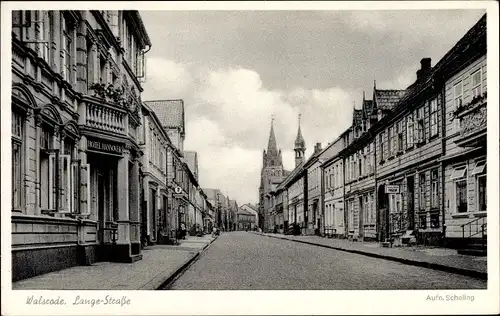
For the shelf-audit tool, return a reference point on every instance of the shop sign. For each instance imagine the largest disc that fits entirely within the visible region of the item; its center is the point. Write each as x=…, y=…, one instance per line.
x=104, y=146
x=392, y=189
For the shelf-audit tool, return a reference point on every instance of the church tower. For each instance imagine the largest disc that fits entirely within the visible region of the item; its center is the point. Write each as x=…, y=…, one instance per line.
x=300, y=147
x=271, y=173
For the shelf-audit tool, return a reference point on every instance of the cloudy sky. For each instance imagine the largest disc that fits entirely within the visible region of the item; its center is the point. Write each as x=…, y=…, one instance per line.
x=234, y=69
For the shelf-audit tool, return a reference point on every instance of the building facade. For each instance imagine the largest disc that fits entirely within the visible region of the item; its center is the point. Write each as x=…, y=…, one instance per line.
x=155, y=143
x=332, y=170
x=76, y=112
x=465, y=112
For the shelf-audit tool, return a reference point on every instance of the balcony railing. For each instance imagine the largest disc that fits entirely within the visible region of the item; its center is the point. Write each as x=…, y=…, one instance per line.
x=103, y=117
x=472, y=122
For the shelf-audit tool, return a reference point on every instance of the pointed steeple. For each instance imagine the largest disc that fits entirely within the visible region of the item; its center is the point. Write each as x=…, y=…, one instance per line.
x=272, y=148
x=300, y=147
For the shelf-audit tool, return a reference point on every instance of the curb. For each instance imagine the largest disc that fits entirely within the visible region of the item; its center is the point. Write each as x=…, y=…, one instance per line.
x=429, y=265
x=166, y=284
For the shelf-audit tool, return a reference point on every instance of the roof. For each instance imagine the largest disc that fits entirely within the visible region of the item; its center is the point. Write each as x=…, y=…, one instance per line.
x=191, y=158
x=387, y=99
x=251, y=206
x=243, y=211
x=357, y=117
x=468, y=43
x=368, y=108
x=169, y=112
x=299, y=141
x=292, y=175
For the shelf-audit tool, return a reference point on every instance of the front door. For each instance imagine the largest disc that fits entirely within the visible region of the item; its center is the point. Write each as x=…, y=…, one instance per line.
x=383, y=214
x=411, y=208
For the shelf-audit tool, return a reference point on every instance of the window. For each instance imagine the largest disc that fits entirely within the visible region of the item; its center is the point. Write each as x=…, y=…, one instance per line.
x=47, y=170
x=434, y=189
x=17, y=156
x=33, y=27
x=360, y=164
x=457, y=101
x=423, y=221
x=409, y=131
x=421, y=188
x=476, y=84
x=67, y=47
x=389, y=141
x=460, y=180
x=400, y=140
x=480, y=173
x=434, y=219
x=434, y=117
x=381, y=142
x=420, y=132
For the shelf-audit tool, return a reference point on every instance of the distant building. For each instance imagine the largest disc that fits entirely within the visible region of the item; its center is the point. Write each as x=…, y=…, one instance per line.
x=246, y=220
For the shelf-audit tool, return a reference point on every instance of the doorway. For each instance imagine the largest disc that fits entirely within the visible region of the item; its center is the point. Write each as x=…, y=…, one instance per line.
x=383, y=214
x=411, y=203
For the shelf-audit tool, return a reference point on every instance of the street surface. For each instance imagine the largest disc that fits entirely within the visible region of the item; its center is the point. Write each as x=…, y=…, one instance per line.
x=246, y=261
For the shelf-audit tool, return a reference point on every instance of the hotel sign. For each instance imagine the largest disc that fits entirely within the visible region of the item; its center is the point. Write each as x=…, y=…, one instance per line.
x=392, y=189
x=104, y=146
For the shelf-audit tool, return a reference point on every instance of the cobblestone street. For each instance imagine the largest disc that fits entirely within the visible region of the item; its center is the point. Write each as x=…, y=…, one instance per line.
x=246, y=261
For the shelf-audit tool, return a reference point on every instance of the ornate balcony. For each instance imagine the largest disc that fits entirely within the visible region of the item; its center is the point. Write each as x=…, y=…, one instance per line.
x=472, y=122
x=103, y=117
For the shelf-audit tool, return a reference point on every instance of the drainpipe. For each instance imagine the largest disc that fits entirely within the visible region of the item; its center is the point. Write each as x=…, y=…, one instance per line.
x=441, y=164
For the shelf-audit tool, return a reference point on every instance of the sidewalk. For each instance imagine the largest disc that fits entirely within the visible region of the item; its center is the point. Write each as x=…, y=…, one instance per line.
x=434, y=258
x=159, y=263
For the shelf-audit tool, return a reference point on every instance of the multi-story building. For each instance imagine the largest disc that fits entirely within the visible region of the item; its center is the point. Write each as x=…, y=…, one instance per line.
x=333, y=190
x=252, y=210
x=154, y=143
x=76, y=84
x=312, y=169
x=464, y=74
x=171, y=116
x=245, y=219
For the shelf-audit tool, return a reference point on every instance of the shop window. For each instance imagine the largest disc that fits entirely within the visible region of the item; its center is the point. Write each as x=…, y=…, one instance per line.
x=460, y=183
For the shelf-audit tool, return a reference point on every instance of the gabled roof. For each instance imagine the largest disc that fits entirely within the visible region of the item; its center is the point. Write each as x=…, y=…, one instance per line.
x=387, y=99
x=357, y=117
x=251, y=206
x=368, y=108
x=243, y=211
x=291, y=176
x=169, y=112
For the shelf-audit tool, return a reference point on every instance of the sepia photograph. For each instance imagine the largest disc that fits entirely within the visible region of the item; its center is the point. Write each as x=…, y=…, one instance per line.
x=172, y=150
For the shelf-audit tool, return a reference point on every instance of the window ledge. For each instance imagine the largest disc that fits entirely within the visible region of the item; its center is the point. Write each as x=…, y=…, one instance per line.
x=410, y=148
x=460, y=215
x=433, y=137
x=390, y=158
x=399, y=153
x=480, y=214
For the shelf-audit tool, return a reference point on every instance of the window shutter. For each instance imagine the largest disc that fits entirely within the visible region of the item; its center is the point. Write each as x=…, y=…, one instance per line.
x=75, y=181
x=64, y=183
x=52, y=182
x=85, y=189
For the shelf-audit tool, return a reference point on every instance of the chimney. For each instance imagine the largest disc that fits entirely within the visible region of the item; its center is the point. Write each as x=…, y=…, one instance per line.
x=425, y=67
x=317, y=148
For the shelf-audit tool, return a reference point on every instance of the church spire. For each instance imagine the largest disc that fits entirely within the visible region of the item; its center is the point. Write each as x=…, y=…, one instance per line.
x=300, y=147
x=272, y=148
